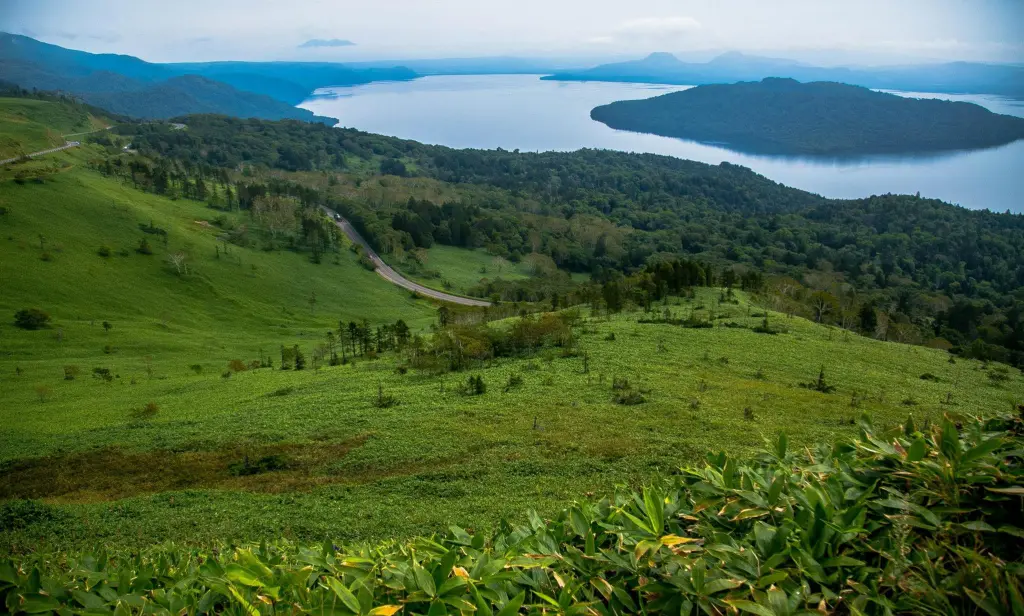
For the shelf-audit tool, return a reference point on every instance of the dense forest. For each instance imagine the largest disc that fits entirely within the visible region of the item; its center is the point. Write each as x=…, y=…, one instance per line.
x=898, y=266
x=784, y=116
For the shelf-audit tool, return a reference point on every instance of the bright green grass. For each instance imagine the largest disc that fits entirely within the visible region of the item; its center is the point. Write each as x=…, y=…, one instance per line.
x=227, y=307
x=436, y=458
x=458, y=270
x=28, y=125
x=440, y=457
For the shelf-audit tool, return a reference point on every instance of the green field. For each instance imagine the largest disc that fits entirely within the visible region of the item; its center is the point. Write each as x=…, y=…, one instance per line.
x=458, y=270
x=28, y=125
x=110, y=470
x=354, y=471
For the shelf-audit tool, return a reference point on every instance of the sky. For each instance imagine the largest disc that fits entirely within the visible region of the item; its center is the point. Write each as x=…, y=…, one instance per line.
x=830, y=31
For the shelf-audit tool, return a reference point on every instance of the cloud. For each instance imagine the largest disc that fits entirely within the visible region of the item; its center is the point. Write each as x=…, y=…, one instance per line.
x=657, y=27
x=326, y=43
x=650, y=31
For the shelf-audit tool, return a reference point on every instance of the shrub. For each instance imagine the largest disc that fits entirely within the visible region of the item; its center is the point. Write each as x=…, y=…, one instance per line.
x=748, y=414
x=514, y=380
x=147, y=411
x=629, y=397
x=265, y=464
x=31, y=318
x=928, y=376
x=197, y=368
x=475, y=386
x=144, y=248
x=43, y=392
x=999, y=374
x=104, y=251
x=737, y=535
x=19, y=514
x=820, y=384
x=384, y=400
x=620, y=384
x=70, y=372
x=284, y=391
x=237, y=365
x=102, y=374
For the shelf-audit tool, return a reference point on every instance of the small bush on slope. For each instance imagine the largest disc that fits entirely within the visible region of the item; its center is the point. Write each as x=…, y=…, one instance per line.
x=904, y=521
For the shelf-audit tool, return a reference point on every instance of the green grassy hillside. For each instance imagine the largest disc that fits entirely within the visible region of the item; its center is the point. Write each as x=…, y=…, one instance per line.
x=29, y=125
x=117, y=472
x=173, y=447
x=458, y=269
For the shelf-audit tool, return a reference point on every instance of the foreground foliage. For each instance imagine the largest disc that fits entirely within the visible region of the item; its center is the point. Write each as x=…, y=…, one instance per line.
x=916, y=519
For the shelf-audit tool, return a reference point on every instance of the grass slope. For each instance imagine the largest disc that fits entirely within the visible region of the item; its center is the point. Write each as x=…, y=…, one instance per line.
x=459, y=269
x=29, y=125
x=342, y=467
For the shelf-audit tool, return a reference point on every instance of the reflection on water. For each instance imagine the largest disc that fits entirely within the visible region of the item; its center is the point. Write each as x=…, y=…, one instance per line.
x=522, y=112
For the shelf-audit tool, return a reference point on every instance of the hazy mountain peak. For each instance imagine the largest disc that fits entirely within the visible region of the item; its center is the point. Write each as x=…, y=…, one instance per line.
x=662, y=58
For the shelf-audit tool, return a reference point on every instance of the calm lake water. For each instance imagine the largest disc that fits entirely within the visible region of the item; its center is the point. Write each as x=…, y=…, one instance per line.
x=522, y=112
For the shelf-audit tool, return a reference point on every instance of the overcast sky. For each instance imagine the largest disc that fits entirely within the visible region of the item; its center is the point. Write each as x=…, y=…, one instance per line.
x=864, y=31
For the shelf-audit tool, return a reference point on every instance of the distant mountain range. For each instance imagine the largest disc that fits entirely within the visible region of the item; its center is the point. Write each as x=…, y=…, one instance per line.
x=129, y=86
x=784, y=116
x=953, y=77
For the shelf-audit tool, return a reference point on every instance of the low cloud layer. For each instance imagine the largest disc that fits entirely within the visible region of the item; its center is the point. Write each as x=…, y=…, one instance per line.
x=406, y=29
x=326, y=43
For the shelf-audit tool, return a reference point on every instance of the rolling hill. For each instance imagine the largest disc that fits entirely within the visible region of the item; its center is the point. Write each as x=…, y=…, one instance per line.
x=31, y=125
x=784, y=116
x=130, y=86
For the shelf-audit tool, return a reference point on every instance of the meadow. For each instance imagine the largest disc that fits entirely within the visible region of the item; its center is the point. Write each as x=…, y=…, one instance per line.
x=29, y=125
x=458, y=270
x=154, y=454
x=139, y=432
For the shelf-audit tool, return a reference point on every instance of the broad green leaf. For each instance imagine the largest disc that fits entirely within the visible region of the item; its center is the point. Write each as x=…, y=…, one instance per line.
x=248, y=607
x=1012, y=530
x=437, y=608
x=721, y=584
x=348, y=599
x=843, y=561
x=654, y=505
x=89, y=600
x=772, y=578
x=985, y=448
x=424, y=580
x=917, y=450
x=671, y=540
x=1012, y=490
x=512, y=607
x=750, y=607
x=781, y=446
x=39, y=604
x=238, y=573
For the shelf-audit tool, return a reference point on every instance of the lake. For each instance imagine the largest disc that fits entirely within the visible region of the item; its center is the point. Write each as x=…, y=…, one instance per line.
x=522, y=112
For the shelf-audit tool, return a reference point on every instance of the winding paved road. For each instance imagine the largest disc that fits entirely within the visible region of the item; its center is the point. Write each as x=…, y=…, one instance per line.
x=389, y=274
x=69, y=144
